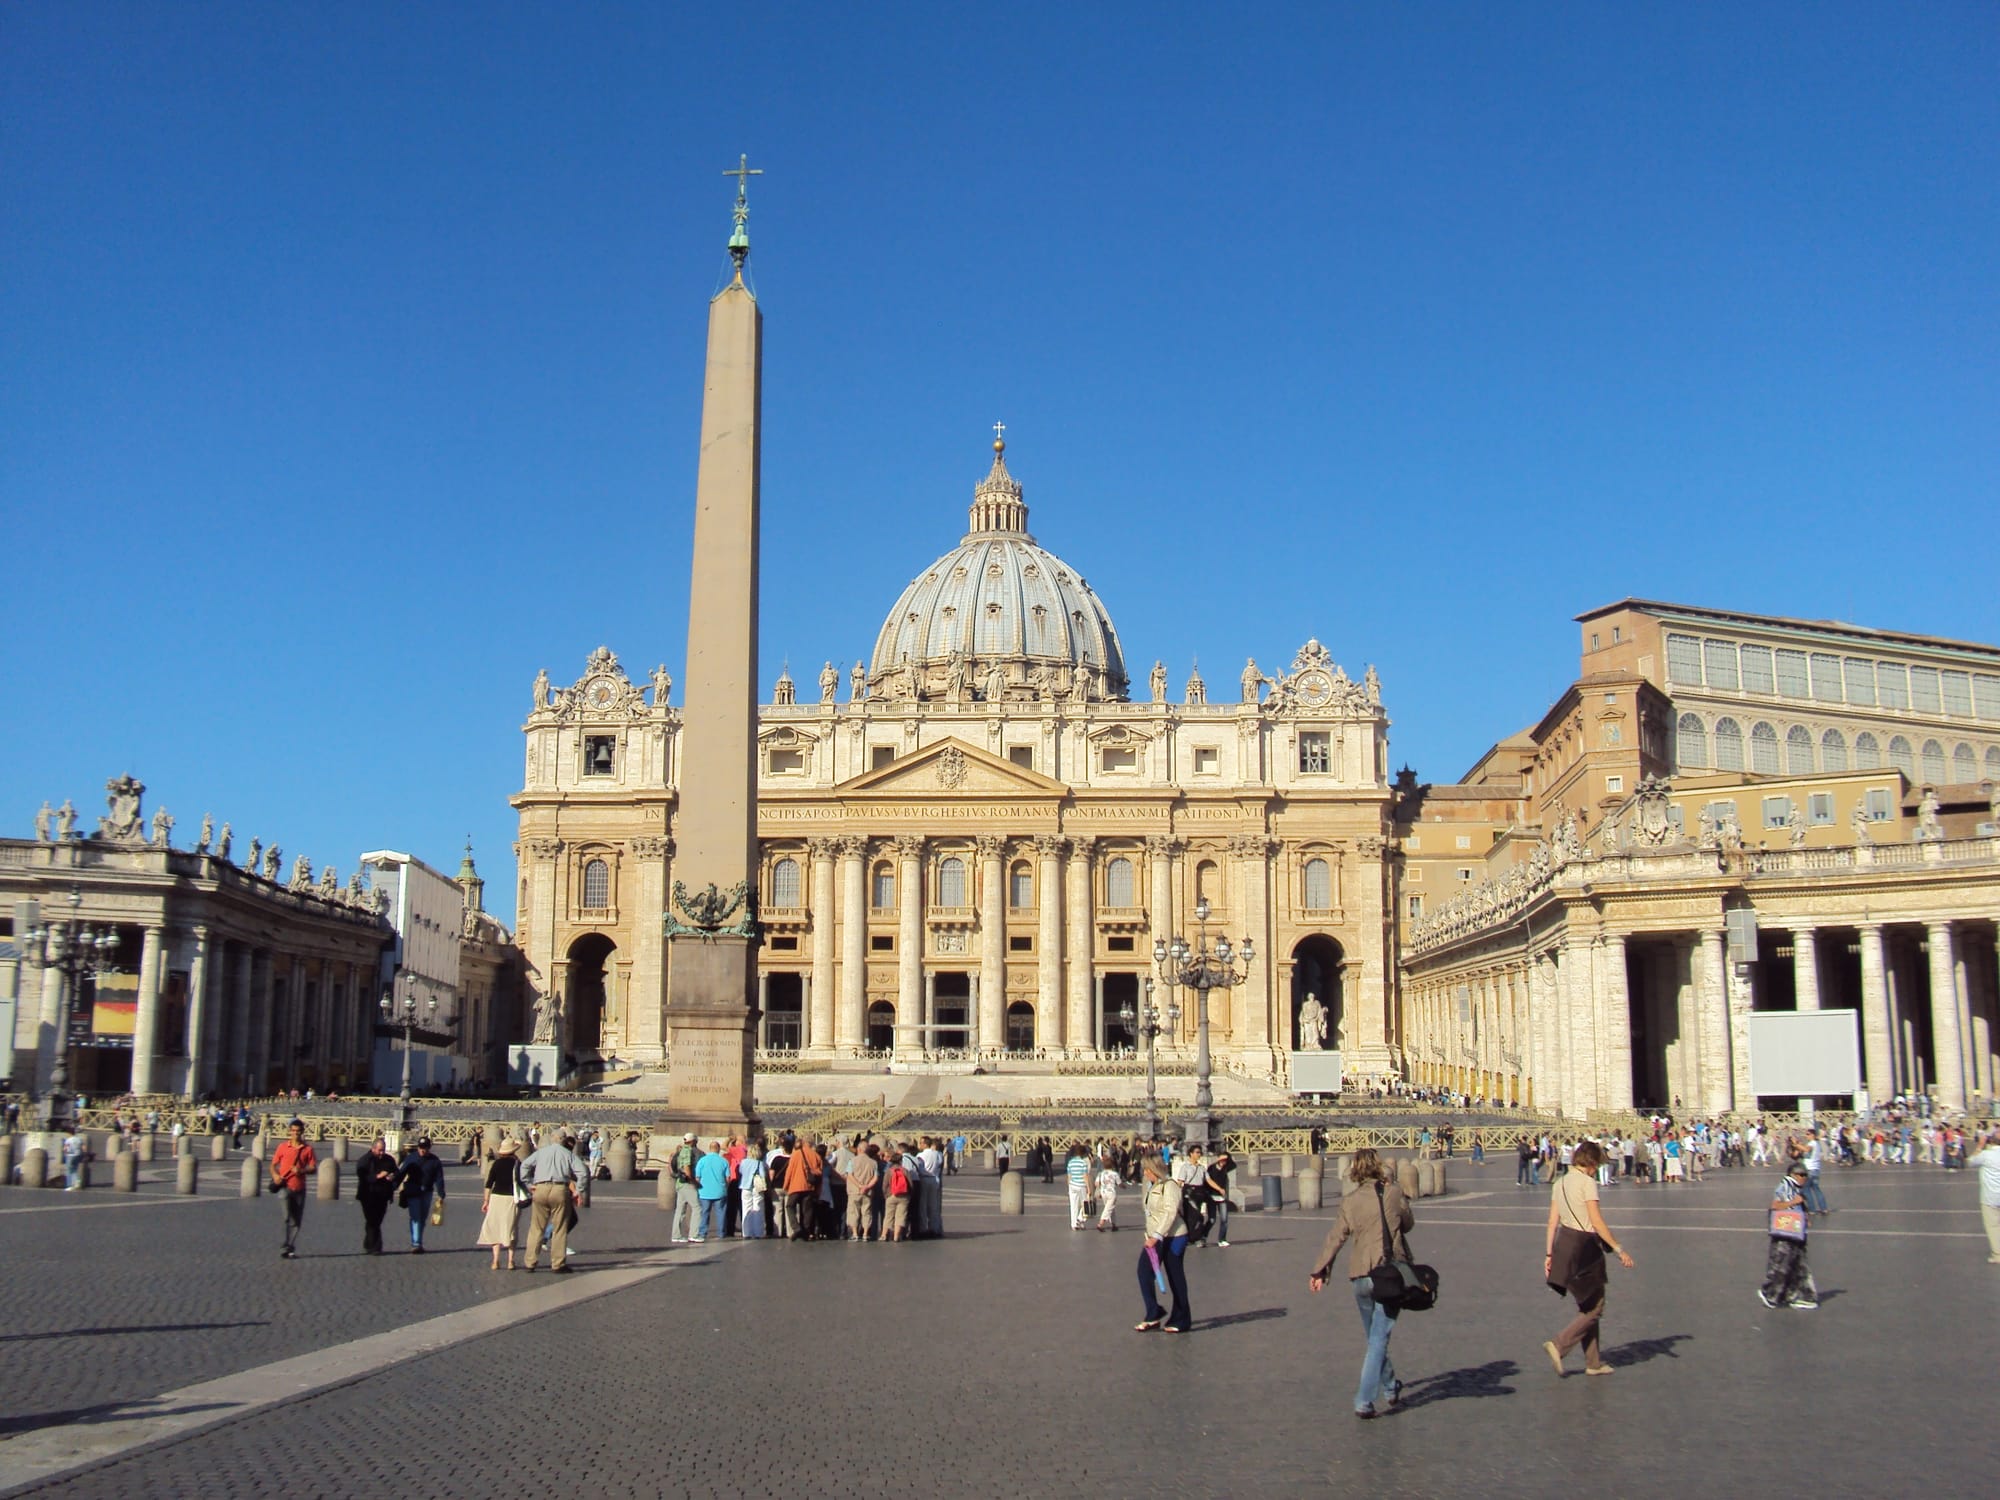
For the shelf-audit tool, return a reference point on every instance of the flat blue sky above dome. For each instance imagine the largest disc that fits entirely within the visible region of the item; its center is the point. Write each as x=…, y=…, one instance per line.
x=354, y=353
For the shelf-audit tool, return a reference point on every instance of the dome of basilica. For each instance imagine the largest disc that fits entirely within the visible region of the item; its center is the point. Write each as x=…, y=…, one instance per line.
x=998, y=616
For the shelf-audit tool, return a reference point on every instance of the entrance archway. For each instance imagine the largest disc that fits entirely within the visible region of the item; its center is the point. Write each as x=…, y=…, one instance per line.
x=1020, y=1027
x=952, y=994
x=585, y=994
x=881, y=1026
x=1317, y=963
x=784, y=1012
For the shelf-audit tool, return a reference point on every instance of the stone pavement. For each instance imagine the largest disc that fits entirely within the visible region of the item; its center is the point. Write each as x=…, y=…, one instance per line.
x=997, y=1362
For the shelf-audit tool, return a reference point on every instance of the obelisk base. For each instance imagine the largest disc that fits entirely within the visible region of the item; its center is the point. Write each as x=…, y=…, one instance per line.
x=711, y=1019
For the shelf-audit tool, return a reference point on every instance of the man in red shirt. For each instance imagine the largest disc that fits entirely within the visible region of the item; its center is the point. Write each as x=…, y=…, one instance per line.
x=291, y=1163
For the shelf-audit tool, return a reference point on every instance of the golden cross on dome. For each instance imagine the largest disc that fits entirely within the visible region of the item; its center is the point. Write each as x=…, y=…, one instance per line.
x=999, y=436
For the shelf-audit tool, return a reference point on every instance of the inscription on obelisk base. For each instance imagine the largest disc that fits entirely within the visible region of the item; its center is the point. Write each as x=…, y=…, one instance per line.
x=710, y=1004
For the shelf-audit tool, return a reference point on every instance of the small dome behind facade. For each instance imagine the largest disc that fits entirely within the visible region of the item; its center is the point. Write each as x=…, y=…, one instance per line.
x=998, y=615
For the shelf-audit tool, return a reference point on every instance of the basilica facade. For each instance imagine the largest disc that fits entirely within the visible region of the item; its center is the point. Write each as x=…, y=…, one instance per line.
x=970, y=847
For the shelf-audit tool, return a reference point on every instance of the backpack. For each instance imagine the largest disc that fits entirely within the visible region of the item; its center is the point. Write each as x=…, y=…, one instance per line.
x=899, y=1182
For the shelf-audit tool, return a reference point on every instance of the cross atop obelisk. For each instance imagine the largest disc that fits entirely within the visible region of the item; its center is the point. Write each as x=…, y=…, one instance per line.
x=711, y=929
x=739, y=238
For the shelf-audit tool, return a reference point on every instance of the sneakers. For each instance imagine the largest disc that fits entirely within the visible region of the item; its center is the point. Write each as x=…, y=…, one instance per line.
x=1802, y=1306
x=1222, y=1244
x=1766, y=1298
x=287, y=1254
x=1555, y=1355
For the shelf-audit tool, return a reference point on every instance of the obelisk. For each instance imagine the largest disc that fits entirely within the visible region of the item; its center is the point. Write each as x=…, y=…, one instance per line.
x=711, y=928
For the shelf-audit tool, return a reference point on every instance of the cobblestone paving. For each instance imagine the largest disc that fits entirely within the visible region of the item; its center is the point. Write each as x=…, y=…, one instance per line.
x=1001, y=1361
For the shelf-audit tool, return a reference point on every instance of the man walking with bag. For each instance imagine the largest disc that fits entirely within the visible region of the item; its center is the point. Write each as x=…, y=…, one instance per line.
x=1787, y=1281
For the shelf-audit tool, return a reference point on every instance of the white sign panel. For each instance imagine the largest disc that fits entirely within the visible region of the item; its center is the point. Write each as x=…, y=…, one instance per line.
x=1800, y=1053
x=1315, y=1072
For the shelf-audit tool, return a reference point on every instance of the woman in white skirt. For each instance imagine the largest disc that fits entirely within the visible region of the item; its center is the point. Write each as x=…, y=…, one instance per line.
x=500, y=1213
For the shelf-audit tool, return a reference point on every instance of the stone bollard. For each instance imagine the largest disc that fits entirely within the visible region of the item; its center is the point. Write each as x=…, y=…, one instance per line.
x=125, y=1172
x=187, y=1176
x=6, y=1160
x=183, y=1145
x=1440, y=1180
x=252, y=1180
x=34, y=1167
x=663, y=1191
x=583, y=1193
x=218, y=1148
x=1274, y=1192
x=337, y=1148
x=113, y=1144
x=1310, y=1183
x=329, y=1181
x=1427, y=1179
x=145, y=1145
x=260, y=1147
x=1012, y=1197
x=1406, y=1178
x=619, y=1160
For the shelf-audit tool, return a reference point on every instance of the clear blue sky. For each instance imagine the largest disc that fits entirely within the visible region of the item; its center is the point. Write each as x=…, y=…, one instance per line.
x=351, y=356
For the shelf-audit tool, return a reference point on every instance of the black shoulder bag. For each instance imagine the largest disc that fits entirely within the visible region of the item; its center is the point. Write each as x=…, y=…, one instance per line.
x=1400, y=1284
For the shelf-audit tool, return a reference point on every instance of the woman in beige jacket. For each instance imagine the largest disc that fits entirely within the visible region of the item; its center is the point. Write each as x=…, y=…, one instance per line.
x=1374, y=1198
x=1165, y=1249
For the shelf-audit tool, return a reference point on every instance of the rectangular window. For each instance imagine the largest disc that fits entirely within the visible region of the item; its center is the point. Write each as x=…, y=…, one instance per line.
x=1792, y=674
x=1677, y=818
x=1464, y=841
x=1757, y=676
x=1924, y=690
x=600, y=754
x=1414, y=875
x=1777, y=811
x=1825, y=677
x=1957, y=693
x=785, y=944
x=1719, y=657
x=1020, y=944
x=1819, y=809
x=1613, y=734
x=1118, y=758
x=1118, y=945
x=881, y=942
x=1414, y=841
x=1593, y=640
x=1684, y=660
x=1892, y=680
x=1986, y=696
x=1315, y=752
x=1022, y=756
x=1207, y=760
x=1880, y=807
x=880, y=756
x=790, y=762
x=1860, y=676
x=1416, y=907
x=1719, y=813
x=1464, y=874
x=1614, y=783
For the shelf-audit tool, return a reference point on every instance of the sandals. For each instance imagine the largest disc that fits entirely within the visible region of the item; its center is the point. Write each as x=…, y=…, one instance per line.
x=1148, y=1327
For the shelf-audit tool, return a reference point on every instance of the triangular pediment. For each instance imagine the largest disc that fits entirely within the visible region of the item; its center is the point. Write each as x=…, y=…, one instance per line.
x=951, y=768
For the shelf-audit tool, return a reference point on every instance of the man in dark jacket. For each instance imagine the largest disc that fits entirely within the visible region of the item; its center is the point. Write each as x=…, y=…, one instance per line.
x=375, y=1177
x=419, y=1184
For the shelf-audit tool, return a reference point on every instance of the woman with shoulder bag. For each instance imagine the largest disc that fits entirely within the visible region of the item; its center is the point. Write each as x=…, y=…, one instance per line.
x=1574, y=1265
x=1375, y=1201
x=1163, y=1255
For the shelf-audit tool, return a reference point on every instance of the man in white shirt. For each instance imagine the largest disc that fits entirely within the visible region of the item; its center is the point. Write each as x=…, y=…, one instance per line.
x=1987, y=1160
x=932, y=1187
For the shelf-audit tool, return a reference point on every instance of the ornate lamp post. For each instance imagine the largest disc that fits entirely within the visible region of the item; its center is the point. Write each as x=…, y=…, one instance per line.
x=75, y=950
x=405, y=1016
x=1201, y=968
x=1149, y=1021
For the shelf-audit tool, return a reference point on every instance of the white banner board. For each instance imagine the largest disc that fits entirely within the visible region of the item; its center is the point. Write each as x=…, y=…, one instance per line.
x=1801, y=1053
x=1315, y=1072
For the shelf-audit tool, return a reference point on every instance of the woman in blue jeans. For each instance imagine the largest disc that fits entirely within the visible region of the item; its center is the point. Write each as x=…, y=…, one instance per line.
x=1165, y=1248
x=1373, y=1199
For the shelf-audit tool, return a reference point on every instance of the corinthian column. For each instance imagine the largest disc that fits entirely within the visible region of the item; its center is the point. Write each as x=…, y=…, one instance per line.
x=910, y=942
x=1947, y=1042
x=992, y=941
x=1048, y=913
x=1080, y=943
x=1875, y=1050
x=146, y=1024
x=1252, y=853
x=849, y=1026
x=819, y=1035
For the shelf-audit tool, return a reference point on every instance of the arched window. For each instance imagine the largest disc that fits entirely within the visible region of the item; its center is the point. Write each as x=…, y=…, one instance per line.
x=882, y=887
x=1833, y=751
x=1964, y=764
x=1798, y=750
x=1867, y=752
x=1933, y=762
x=1020, y=1027
x=1993, y=761
x=596, y=885
x=951, y=881
x=1764, y=749
x=785, y=883
x=1902, y=757
x=1728, y=745
x=1020, y=886
x=1118, y=883
x=1319, y=885
x=1691, y=742
x=1208, y=883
